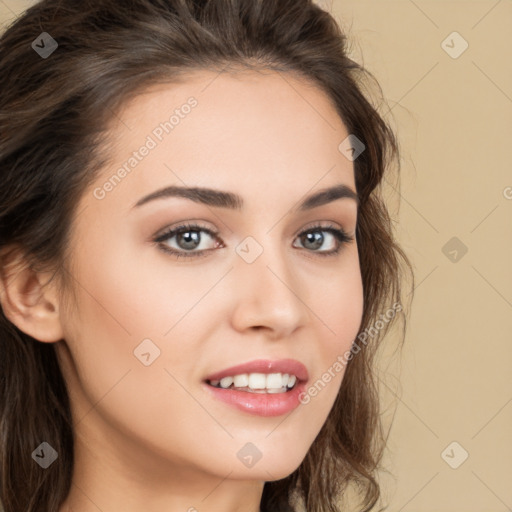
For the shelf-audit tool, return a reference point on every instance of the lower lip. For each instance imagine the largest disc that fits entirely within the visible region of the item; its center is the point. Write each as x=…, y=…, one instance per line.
x=260, y=404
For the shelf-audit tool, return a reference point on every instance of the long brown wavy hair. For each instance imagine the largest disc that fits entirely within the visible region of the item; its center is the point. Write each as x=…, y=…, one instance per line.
x=54, y=113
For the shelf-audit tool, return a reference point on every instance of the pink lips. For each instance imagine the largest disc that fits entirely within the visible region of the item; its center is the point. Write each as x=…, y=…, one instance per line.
x=261, y=404
x=290, y=366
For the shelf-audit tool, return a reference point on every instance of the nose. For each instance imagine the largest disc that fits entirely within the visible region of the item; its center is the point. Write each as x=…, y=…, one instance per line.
x=268, y=295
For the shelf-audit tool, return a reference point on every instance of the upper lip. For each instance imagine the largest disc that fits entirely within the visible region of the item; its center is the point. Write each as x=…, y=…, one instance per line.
x=289, y=366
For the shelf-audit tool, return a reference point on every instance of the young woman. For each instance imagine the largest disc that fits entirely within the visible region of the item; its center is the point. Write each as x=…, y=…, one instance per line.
x=196, y=262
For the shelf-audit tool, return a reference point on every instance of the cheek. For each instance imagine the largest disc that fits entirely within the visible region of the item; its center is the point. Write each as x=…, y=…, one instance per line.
x=339, y=305
x=122, y=305
x=138, y=292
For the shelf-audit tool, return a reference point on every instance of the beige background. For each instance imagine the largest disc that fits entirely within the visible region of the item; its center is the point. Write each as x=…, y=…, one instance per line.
x=454, y=122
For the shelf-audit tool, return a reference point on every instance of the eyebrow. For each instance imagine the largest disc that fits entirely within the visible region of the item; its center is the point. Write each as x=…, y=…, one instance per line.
x=221, y=199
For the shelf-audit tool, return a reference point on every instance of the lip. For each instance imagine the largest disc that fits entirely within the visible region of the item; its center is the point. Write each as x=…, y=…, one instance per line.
x=259, y=404
x=290, y=366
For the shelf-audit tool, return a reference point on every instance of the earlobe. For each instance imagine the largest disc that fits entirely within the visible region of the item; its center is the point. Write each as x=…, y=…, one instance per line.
x=29, y=299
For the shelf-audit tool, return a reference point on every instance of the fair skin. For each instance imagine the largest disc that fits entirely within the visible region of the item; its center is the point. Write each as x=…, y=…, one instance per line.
x=149, y=437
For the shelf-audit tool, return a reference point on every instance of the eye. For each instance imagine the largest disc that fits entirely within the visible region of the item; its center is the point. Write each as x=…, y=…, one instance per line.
x=315, y=238
x=191, y=240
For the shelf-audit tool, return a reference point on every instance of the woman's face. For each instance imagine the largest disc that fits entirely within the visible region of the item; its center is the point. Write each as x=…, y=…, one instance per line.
x=150, y=327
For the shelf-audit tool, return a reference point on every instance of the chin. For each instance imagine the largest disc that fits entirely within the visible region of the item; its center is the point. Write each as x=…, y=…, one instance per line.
x=272, y=470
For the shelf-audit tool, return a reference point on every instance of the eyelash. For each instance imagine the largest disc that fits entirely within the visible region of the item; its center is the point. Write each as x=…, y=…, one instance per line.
x=340, y=235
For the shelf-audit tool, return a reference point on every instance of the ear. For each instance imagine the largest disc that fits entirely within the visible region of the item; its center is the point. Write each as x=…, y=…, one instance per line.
x=29, y=298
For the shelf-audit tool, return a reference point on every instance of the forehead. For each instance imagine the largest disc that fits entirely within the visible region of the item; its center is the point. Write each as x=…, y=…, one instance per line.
x=231, y=131
x=231, y=89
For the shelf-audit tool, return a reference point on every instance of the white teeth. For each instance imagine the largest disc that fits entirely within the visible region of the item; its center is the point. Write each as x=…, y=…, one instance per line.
x=241, y=381
x=226, y=382
x=274, y=380
x=259, y=382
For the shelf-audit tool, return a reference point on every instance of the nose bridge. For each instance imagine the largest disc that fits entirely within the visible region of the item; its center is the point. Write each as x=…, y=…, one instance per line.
x=267, y=289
